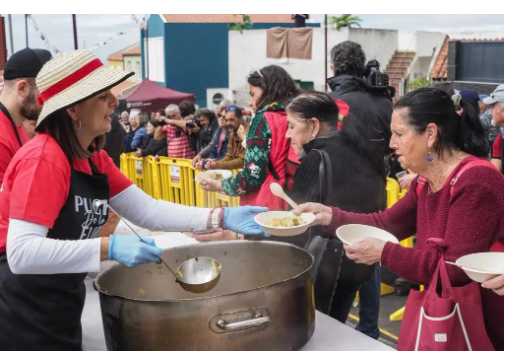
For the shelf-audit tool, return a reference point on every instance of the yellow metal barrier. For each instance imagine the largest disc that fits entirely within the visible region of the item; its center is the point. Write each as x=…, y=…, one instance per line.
x=392, y=190
x=177, y=181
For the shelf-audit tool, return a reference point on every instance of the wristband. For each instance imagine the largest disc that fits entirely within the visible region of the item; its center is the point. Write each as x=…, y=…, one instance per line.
x=215, y=218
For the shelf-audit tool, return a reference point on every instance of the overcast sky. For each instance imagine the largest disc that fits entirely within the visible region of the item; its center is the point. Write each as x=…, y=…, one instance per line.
x=93, y=29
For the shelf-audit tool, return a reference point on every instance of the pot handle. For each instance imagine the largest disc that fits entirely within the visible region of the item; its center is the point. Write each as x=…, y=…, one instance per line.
x=237, y=326
x=230, y=323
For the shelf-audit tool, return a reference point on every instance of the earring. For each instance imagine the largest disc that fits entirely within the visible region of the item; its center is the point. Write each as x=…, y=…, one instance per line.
x=313, y=136
x=429, y=157
x=77, y=130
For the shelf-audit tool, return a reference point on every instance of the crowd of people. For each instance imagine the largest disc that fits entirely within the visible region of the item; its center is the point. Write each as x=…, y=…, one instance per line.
x=331, y=152
x=211, y=139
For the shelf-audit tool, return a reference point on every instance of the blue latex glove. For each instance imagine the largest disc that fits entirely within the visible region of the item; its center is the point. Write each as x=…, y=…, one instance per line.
x=241, y=220
x=131, y=251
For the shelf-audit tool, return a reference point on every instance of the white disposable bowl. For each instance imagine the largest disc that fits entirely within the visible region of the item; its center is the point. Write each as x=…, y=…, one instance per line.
x=205, y=175
x=352, y=233
x=263, y=218
x=482, y=266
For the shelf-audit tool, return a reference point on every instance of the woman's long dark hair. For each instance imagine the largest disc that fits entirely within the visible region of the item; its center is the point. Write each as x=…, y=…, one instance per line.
x=465, y=131
x=276, y=85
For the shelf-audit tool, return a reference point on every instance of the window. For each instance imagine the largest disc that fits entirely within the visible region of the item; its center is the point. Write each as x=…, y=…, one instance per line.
x=128, y=66
x=138, y=74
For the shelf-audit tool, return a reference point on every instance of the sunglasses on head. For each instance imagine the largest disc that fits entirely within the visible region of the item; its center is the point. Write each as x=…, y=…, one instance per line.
x=231, y=108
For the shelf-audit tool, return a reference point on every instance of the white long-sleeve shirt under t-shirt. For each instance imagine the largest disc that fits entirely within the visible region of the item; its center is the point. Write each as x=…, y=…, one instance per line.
x=29, y=251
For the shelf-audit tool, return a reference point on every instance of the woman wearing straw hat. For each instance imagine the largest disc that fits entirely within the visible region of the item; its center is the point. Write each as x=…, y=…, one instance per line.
x=48, y=228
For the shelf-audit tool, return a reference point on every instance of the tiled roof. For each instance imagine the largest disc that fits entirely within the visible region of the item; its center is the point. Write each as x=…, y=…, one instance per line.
x=439, y=71
x=116, y=56
x=136, y=50
x=228, y=18
x=117, y=90
x=479, y=39
x=133, y=49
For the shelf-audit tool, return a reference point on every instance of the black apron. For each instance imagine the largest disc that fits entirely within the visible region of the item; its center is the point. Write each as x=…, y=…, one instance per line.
x=43, y=312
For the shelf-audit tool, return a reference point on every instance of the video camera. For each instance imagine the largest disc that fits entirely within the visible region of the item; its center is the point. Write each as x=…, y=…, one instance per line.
x=374, y=77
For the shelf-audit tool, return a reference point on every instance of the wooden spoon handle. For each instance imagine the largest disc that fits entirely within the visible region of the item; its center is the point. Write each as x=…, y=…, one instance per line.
x=290, y=201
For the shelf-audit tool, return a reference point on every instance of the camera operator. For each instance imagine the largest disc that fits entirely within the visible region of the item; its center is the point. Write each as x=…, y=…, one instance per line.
x=205, y=119
x=364, y=90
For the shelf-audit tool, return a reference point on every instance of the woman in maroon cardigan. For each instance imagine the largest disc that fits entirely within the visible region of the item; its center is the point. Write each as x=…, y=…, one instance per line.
x=435, y=136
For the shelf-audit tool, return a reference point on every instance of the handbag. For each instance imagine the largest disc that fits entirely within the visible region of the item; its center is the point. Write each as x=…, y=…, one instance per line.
x=444, y=317
x=331, y=266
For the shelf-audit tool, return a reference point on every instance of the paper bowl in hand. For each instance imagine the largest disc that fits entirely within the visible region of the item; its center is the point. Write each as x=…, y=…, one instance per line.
x=264, y=218
x=352, y=233
x=211, y=174
x=482, y=266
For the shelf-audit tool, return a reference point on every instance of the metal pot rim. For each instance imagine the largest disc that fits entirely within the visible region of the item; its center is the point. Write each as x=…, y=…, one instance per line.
x=215, y=296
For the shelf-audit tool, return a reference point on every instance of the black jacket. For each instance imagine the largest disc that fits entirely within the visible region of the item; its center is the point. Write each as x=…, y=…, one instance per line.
x=356, y=186
x=206, y=135
x=115, y=141
x=153, y=147
x=370, y=112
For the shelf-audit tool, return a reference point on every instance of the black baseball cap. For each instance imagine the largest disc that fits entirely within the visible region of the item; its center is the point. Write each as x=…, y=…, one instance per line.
x=26, y=63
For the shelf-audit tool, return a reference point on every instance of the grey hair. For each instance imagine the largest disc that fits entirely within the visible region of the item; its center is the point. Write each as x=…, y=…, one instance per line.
x=125, y=113
x=172, y=108
x=134, y=113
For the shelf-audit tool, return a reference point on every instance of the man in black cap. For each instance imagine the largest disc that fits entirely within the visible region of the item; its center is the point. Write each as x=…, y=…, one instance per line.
x=18, y=101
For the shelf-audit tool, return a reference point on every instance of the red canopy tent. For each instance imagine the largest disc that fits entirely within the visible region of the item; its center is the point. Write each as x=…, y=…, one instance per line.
x=149, y=96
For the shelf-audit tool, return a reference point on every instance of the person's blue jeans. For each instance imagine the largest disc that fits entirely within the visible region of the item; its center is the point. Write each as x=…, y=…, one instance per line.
x=369, y=301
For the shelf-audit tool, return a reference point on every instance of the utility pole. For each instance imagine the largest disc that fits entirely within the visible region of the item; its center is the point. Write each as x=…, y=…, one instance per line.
x=75, y=33
x=26, y=29
x=3, y=43
x=10, y=35
x=326, y=53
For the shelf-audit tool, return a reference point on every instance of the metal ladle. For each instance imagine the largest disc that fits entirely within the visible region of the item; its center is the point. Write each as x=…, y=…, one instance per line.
x=196, y=275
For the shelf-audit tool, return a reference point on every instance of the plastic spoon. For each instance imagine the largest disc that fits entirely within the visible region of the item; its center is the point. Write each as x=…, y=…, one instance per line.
x=277, y=190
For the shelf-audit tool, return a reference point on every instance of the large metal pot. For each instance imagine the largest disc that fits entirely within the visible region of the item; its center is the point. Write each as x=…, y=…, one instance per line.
x=263, y=301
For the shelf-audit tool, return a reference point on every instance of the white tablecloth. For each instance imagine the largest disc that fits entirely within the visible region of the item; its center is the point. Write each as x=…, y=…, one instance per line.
x=329, y=333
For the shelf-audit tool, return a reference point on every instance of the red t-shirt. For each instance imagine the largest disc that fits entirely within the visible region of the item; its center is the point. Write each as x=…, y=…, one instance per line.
x=37, y=183
x=497, y=149
x=9, y=143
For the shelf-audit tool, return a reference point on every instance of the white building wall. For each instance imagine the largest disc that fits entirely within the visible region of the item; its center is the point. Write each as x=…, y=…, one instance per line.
x=420, y=67
x=156, y=60
x=247, y=53
x=376, y=43
x=427, y=41
x=133, y=63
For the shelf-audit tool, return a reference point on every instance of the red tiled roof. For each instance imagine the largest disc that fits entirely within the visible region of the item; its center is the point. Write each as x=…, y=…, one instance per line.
x=439, y=71
x=116, y=56
x=480, y=40
x=117, y=90
x=227, y=18
x=136, y=50
x=133, y=49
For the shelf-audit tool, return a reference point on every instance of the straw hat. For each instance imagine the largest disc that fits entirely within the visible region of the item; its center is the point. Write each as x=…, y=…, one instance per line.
x=73, y=77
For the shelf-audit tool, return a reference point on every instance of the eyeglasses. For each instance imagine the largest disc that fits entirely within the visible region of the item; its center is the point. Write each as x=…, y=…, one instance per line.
x=231, y=108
